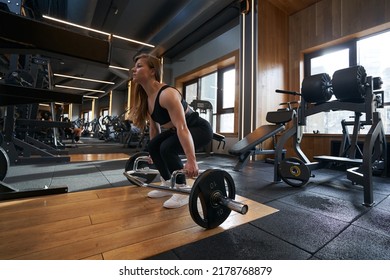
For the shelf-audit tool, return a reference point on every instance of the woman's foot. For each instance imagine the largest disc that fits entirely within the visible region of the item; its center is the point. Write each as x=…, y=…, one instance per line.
x=178, y=200
x=161, y=193
x=158, y=194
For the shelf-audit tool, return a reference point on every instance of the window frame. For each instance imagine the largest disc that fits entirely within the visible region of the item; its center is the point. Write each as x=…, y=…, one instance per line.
x=351, y=44
x=190, y=82
x=218, y=111
x=353, y=57
x=227, y=62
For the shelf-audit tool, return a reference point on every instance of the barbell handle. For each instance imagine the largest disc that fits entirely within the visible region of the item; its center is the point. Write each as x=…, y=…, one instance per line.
x=232, y=204
x=183, y=172
x=138, y=159
x=287, y=92
x=140, y=183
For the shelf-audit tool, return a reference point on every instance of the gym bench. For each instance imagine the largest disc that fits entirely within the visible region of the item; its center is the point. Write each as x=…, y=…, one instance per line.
x=246, y=147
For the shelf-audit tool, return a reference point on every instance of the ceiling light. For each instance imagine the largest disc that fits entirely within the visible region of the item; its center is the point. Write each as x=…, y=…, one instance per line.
x=133, y=41
x=84, y=79
x=75, y=25
x=77, y=88
x=97, y=31
x=89, y=96
x=120, y=68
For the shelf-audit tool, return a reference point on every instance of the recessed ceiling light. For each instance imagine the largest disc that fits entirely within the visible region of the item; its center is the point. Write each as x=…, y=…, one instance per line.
x=89, y=96
x=120, y=68
x=78, y=88
x=84, y=79
x=97, y=31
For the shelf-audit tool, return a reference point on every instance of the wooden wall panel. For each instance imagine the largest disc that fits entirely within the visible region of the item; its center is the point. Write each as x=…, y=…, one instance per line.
x=272, y=58
x=326, y=23
x=358, y=15
x=331, y=22
x=292, y=6
x=318, y=145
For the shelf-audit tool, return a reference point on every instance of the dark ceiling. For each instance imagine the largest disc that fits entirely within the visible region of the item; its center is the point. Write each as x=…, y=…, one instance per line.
x=174, y=27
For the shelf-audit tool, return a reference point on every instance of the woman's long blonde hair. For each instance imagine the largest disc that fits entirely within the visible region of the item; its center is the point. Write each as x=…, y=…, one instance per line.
x=139, y=112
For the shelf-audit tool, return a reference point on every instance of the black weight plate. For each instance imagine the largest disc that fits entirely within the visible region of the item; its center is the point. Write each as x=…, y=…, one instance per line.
x=140, y=177
x=349, y=84
x=377, y=83
x=4, y=164
x=144, y=176
x=294, y=172
x=142, y=164
x=317, y=88
x=204, y=209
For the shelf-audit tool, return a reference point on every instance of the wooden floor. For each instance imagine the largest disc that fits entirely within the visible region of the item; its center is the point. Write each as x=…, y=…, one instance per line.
x=114, y=223
x=90, y=157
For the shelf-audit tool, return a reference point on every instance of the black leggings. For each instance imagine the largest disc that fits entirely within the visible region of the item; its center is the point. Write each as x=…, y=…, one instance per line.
x=165, y=148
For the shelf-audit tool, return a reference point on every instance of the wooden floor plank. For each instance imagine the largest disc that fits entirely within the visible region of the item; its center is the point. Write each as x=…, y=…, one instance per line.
x=41, y=238
x=48, y=214
x=123, y=193
x=98, y=257
x=129, y=232
x=24, y=204
x=94, y=157
x=151, y=247
x=134, y=216
x=20, y=233
x=147, y=211
x=119, y=238
x=47, y=240
x=33, y=239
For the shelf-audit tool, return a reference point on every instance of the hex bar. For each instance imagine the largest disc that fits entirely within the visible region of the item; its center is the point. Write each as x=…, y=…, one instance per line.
x=139, y=183
x=225, y=201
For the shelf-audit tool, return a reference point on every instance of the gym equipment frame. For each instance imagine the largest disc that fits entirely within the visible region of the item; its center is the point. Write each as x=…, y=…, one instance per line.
x=356, y=92
x=205, y=107
x=34, y=37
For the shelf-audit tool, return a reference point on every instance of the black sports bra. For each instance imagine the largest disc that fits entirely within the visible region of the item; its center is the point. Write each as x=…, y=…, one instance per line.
x=160, y=115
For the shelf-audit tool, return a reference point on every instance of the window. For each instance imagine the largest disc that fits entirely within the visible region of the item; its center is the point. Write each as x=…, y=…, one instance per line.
x=104, y=112
x=370, y=52
x=374, y=55
x=191, y=91
x=208, y=92
x=86, y=116
x=219, y=89
x=228, y=98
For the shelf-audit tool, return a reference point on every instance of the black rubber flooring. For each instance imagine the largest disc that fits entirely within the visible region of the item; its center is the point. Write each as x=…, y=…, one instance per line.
x=323, y=220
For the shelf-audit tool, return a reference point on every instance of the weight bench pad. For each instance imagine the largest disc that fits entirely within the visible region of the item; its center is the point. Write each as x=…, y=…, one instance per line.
x=218, y=137
x=254, y=138
x=280, y=116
